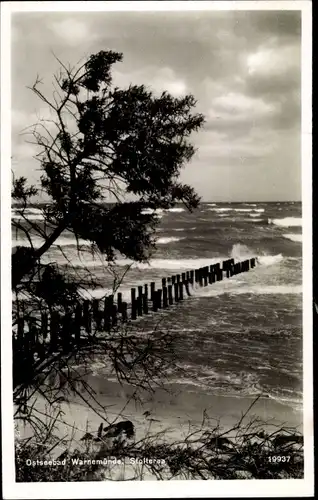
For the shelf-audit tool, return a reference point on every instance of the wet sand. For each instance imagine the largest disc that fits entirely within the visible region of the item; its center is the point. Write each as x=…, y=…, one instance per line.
x=170, y=416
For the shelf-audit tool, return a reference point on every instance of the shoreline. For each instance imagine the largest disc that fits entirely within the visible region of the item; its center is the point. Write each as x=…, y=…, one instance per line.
x=170, y=421
x=174, y=413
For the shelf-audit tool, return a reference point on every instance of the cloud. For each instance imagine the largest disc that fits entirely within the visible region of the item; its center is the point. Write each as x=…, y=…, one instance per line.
x=22, y=120
x=253, y=146
x=25, y=150
x=167, y=80
x=273, y=70
x=272, y=61
x=156, y=79
x=285, y=24
x=240, y=105
x=71, y=31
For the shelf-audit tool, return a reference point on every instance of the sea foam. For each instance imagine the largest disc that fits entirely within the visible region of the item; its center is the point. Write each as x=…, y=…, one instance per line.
x=31, y=217
x=62, y=241
x=220, y=209
x=175, y=209
x=171, y=264
x=228, y=209
x=269, y=260
x=168, y=239
x=286, y=222
x=248, y=289
x=241, y=252
x=293, y=237
x=149, y=211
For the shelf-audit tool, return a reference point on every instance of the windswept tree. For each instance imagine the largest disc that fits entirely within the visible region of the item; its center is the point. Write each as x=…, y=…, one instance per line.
x=99, y=142
x=102, y=140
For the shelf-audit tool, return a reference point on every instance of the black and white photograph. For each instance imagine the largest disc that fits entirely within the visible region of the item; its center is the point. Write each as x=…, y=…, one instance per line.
x=156, y=249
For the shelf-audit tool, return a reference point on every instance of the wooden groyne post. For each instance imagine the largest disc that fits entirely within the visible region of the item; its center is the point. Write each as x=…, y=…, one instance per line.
x=133, y=303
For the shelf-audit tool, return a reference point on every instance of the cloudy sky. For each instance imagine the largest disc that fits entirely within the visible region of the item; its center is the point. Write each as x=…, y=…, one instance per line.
x=243, y=68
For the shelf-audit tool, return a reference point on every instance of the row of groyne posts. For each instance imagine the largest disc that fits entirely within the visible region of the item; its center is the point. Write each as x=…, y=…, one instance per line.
x=95, y=315
x=175, y=288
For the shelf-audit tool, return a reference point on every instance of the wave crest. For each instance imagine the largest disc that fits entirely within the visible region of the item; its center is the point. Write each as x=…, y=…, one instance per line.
x=242, y=252
x=286, y=222
x=239, y=289
x=168, y=239
x=269, y=260
x=175, y=209
x=294, y=237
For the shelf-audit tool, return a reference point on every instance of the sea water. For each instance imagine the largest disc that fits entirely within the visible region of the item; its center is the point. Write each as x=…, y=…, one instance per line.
x=238, y=337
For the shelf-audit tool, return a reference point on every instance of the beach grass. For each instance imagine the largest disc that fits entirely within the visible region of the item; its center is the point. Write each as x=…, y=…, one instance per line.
x=173, y=443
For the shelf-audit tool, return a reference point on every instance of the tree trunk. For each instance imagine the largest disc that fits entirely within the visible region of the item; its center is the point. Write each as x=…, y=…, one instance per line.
x=19, y=273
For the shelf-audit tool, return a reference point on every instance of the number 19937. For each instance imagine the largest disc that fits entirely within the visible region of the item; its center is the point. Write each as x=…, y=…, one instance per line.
x=279, y=458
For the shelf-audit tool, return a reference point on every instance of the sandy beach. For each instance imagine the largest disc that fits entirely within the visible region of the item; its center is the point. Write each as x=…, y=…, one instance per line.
x=169, y=409
x=170, y=417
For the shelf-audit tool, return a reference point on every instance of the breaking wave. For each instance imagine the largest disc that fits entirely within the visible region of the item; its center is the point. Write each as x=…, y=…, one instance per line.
x=236, y=209
x=159, y=212
x=241, y=252
x=175, y=209
x=30, y=217
x=294, y=237
x=62, y=241
x=286, y=222
x=239, y=289
x=30, y=210
x=156, y=211
x=168, y=239
x=269, y=260
x=171, y=264
x=220, y=209
x=243, y=209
